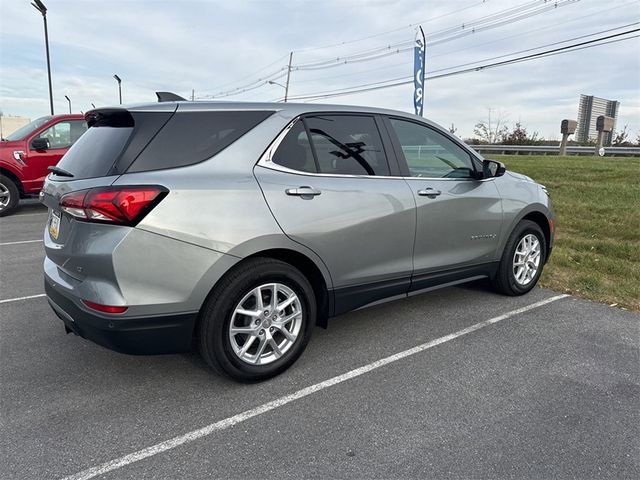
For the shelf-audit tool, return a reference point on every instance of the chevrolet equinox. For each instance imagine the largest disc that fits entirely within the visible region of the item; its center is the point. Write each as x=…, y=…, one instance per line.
x=242, y=226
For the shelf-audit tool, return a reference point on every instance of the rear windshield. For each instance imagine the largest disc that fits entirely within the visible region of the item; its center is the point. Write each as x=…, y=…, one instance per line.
x=191, y=137
x=94, y=152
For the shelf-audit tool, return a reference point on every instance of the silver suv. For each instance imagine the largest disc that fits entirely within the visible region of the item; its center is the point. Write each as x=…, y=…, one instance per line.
x=242, y=226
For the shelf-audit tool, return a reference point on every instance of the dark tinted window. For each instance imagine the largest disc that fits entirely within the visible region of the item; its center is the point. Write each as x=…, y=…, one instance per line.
x=294, y=151
x=430, y=153
x=191, y=137
x=94, y=152
x=347, y=144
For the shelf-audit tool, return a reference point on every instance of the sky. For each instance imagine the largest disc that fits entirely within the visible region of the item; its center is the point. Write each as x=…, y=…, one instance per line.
x=212, y=47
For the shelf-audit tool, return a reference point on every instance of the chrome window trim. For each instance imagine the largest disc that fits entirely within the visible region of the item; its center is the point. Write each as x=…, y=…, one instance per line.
x=266, y=162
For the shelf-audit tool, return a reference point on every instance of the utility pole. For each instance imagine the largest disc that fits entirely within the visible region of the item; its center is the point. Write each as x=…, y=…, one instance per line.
x=286, y=87
x=193, y=94
x=38, y=5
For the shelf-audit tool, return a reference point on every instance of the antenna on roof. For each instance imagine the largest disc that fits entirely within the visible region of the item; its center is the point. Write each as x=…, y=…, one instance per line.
x=169, y=97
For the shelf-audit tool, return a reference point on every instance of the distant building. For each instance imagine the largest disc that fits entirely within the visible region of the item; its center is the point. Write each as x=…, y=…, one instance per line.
x=589, y=109
x=10, y=124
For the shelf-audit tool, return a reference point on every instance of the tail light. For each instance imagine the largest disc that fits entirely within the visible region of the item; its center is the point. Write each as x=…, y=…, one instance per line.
x=104, y=308
x=125, y=205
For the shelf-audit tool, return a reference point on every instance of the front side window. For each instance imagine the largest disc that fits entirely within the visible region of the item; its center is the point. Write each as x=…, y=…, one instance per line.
x=347, y=145
x=430, y=153
x=64, y=134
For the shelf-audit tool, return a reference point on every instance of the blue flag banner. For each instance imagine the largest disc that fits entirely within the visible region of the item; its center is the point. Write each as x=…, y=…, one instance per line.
x=419, y=55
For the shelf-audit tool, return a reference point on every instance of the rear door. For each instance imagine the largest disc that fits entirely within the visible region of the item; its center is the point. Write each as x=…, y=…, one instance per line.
x=458, y=216
x=331, y=188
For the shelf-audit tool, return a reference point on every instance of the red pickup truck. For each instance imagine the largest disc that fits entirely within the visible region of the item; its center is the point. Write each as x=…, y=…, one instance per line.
x=26, y=154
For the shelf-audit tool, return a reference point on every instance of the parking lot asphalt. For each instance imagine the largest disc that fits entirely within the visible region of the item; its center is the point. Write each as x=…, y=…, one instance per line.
x=548, y=391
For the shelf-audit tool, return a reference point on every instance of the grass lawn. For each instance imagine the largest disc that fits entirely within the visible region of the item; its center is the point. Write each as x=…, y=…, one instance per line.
x=597, y=203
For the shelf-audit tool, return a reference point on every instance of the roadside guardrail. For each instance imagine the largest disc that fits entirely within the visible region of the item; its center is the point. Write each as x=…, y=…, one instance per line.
x=555, y=150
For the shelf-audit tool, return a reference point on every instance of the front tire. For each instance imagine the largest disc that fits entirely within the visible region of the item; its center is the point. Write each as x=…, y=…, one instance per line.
x=257, y=321
x=522, y=260
x=9, y=196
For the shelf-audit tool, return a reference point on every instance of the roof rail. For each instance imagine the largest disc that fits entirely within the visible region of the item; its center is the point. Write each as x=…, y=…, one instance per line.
x=169, y=97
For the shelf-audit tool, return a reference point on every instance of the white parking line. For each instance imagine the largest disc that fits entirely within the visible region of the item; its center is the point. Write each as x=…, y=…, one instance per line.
x=22, y=298
x=279, y=402
x=18, y=243
x=18, y=215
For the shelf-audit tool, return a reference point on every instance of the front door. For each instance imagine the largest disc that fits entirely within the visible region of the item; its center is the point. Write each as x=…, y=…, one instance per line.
x=61, y=136
x=458, y=217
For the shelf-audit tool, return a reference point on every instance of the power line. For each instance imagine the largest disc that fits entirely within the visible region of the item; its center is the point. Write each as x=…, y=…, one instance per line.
x=431, y=56
x=404, y=81
x=487, y=59
x=278, y=60
x=536, y=48
x=411, y=25
x=488, y=22
x=250, y=86
x=538, y=6
x=546, y=27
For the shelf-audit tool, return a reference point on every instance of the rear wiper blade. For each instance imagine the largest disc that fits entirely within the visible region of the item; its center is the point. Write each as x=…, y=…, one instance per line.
x=61, y=172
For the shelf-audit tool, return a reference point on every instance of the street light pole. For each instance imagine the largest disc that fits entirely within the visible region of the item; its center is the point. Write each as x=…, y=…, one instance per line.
x=68, y=100
x=271, y=82
x=119, y=80
x=38, y=5
x=286, y=85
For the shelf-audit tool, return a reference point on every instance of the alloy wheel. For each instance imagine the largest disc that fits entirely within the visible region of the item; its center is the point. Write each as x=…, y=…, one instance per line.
x=526, y=259
x=265, y=324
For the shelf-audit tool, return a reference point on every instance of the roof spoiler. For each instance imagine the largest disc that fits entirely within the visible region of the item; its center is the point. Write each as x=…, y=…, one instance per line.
x=109, y=117
x=169, y=97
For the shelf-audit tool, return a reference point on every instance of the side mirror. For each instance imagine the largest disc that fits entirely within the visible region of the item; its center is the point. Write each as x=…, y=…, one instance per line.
x=491, y=169
x=40, y=143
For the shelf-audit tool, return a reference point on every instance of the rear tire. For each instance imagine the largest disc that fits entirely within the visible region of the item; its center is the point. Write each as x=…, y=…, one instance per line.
x=243, y=339
x=522, y=260
x=9, y=196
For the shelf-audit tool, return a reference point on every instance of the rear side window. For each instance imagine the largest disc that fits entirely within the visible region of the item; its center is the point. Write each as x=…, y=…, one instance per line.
x=295, y=151
x=191, y=137
x=347, y=145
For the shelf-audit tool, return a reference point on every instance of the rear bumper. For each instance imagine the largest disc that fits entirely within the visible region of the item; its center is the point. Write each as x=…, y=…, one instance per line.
x=133, y=335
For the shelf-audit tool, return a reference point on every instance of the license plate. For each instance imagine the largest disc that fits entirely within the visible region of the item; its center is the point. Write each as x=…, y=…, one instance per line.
x=54, y=224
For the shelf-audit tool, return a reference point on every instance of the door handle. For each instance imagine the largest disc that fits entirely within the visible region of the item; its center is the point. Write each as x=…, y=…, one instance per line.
x=429, y=192
x=303, y=191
